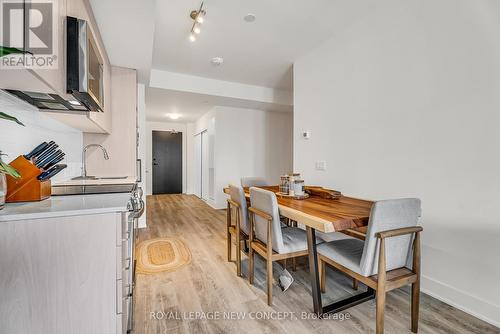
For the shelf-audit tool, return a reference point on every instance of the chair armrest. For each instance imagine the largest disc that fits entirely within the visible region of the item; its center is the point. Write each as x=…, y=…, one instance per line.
x=260, y=213
x=233, y=203
x=398, y=232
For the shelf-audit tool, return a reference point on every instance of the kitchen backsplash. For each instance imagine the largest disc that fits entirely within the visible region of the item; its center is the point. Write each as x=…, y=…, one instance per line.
x=16, y=140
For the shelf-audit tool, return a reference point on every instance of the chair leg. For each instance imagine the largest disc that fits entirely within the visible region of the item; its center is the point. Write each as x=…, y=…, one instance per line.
x=322, y=275
x=269, y=282
x=380, y=311
x=250, y=264
x=354, y=284
x=381, y=284
x=238, y=255
x=228, y=246
x=415, y=304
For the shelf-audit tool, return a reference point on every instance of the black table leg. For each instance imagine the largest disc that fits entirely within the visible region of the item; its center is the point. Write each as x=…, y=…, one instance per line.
x=313, y=271
x=315, y=290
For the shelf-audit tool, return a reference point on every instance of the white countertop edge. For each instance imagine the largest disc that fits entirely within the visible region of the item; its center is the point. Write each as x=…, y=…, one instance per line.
x=64, y=206
x=70, y=213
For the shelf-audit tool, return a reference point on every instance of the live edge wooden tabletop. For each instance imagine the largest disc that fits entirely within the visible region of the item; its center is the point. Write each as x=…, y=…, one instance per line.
x=347, y=214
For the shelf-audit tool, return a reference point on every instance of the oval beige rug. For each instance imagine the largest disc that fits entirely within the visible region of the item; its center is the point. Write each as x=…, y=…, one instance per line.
x=161, y=255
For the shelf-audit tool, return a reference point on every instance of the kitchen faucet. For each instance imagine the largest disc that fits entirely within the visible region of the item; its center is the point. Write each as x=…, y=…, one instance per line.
x=84, y=161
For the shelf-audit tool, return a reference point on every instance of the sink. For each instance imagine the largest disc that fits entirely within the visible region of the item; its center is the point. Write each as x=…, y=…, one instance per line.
x=112, y=178
x=88, y=177
x=84, y=178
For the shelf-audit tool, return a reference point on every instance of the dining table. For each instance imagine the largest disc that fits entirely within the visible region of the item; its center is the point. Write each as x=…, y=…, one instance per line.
x=344, y=214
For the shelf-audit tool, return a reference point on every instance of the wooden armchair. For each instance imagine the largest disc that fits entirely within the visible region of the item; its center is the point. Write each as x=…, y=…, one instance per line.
x=239, y=230
x=383, y=268
x=268, y=239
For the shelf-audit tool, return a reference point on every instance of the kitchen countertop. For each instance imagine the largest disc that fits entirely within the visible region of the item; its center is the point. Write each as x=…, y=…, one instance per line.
x=128, y=180
x=61, y=206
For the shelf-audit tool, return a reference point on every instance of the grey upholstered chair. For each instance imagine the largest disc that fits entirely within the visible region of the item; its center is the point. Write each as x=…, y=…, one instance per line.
x=336, y=236
x=253, y=181
x=382, y=260
x=240, y=229
x=269, y=239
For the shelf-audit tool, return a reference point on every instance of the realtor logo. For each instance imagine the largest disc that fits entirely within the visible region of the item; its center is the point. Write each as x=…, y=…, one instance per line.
x=29, y=26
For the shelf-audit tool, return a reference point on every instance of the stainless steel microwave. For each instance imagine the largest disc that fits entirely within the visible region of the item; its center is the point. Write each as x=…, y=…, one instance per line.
x=84, y=74
x=84, y=77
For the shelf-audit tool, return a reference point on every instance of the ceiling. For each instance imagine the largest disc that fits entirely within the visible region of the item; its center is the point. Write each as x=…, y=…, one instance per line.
x=190, y=106
x=153, y=34
x=127, y=31
x=259, y=53
x=161, y=102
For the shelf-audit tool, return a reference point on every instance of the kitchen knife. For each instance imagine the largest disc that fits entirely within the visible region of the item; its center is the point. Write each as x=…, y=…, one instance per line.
x=51, y=172
x=49, y=145
x=47, y=158
x=51, y=160
x=54, y=161
x=46, y=152
x=36, y=150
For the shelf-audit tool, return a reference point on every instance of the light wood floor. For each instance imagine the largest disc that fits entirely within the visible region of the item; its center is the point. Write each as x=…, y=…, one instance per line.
x=210, y=284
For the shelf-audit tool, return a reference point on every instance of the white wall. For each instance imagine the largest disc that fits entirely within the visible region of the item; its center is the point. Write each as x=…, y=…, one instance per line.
x=406, y=102
x=16, y=140
x=141, y=146
x=164, y=126
x=247, y=142
x=121, y=144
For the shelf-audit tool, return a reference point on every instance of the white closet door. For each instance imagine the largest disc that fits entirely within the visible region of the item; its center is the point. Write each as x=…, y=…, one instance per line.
x=197, y=165
x=205, y=151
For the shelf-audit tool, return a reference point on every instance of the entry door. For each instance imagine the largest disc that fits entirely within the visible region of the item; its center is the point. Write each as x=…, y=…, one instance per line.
x=167, y=162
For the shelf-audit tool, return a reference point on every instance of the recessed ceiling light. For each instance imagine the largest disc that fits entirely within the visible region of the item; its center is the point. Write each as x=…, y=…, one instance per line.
x=249, y=18
x=217, y=61
x=174, y=116
x=74, y=102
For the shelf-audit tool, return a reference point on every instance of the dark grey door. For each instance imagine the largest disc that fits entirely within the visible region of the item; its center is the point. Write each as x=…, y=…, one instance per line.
x=167, y=162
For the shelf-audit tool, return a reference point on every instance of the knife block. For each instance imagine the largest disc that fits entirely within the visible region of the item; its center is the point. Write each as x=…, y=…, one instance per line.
x=27, y=188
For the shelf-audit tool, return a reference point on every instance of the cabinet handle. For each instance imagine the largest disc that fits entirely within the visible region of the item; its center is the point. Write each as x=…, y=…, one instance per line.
x=119, y=296
x=128, y=261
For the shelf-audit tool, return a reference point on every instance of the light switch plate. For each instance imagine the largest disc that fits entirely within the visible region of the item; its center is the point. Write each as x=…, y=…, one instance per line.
x=321, y=165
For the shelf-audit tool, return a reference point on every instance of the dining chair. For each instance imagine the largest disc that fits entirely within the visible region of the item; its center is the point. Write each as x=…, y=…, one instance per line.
x=241, y=227
x=382, y=261
x=336, y=236
x=256, y=181
x=267, y=237
x=253, y=181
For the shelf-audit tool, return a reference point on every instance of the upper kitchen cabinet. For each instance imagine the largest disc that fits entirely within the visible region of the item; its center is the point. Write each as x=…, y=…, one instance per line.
x=79, y=77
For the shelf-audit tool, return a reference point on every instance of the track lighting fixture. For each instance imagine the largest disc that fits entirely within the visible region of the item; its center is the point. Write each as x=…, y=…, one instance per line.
x=198, y=17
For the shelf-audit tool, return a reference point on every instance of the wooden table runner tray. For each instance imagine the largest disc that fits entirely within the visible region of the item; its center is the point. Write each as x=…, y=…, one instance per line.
x=323, y=192
x=292, y=196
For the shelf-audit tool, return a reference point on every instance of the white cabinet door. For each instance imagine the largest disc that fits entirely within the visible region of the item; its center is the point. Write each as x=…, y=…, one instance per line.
x=58, y=275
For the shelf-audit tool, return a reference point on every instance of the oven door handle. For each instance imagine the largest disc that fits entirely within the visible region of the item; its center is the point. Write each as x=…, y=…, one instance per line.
x=142, y=206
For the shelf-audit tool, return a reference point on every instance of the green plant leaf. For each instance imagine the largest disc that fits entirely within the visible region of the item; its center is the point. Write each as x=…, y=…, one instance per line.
x=9, y=170
x=5, y=51
x=10, y=118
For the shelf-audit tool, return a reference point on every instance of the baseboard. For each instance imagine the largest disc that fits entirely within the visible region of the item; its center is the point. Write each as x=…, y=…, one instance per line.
x=459, y=299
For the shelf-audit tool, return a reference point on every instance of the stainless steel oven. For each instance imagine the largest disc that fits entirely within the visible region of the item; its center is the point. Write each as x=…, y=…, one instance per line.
x=136, y=208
